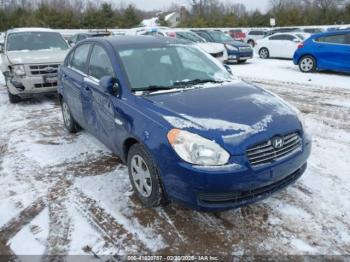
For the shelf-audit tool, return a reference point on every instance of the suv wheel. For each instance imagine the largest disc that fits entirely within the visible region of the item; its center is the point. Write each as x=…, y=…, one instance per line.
x=14, y=98
x=144, y=176
x=264, y=53
x=68, y=119
x=307, y=64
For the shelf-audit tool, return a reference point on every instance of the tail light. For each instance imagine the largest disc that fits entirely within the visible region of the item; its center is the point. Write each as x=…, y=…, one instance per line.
x=301, y=45
x=171, y=34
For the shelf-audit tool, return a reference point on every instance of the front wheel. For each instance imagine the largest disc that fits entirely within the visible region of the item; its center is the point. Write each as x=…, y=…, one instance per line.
x=14, y=99
x=144, y=176
x=264, y=53
x=307, y=64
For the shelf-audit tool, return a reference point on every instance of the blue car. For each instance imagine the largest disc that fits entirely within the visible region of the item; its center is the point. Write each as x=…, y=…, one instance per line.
x=237, y=51
x=325, y=51
x=188, y=131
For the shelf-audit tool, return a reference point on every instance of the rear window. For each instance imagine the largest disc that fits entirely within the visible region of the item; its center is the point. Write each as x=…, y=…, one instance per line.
x=256, y=33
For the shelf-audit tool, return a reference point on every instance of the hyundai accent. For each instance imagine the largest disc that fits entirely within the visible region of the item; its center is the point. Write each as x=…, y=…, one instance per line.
x=188, y=131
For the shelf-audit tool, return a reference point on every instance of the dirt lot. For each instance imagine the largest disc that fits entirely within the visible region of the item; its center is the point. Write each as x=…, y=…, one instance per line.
x=67, y=194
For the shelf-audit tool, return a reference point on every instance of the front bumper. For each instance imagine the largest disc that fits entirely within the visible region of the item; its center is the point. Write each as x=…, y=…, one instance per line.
x=239, y=56
x=25, y=86
x=217, y=189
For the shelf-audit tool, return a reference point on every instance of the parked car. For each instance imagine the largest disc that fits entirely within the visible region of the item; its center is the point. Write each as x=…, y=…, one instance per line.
x=216, y=50
x=253, y=35
x=282, y=30
x=325, y=51
x=237, y=34
x=188, y=131
x=82, y=36
x=281, y=45
x=30, y=60
x=237, y=51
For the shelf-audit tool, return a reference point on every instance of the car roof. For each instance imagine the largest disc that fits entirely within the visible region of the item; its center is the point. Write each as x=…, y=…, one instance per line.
x=335, y=32
x=29, y=29
x=136, y=41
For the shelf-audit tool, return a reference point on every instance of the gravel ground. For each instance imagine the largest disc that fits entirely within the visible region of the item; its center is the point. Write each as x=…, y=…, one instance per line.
x=67, y=194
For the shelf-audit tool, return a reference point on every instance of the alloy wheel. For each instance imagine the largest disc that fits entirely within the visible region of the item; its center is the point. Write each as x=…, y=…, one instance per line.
x=66, y=114
x=307, y=64
x=264, y=53
x=141, y=176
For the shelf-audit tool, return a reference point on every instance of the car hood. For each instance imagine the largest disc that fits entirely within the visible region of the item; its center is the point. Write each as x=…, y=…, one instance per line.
x=235, y=115
x=36, y=57
x=211, y=48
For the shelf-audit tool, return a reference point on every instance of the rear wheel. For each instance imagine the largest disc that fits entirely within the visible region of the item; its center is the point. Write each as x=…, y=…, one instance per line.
x=264, y=53
x=251, y=42
x=307, y=64
x=144, y=176
x=68, y=119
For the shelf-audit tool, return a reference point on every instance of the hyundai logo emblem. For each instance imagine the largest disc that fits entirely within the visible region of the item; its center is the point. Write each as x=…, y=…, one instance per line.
x=277, y=142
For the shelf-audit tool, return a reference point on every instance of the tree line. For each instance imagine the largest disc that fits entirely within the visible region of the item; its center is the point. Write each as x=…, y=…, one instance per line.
x=199, y=13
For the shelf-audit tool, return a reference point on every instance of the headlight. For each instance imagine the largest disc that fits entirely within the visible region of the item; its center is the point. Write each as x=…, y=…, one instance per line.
x=19, y=70
x=197, y=150
x=230, y=47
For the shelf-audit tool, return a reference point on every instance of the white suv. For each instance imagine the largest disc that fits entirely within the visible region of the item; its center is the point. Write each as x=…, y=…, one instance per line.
x=30, y=58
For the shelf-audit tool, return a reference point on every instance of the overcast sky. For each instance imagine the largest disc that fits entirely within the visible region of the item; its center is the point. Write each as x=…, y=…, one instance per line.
x=163, y=4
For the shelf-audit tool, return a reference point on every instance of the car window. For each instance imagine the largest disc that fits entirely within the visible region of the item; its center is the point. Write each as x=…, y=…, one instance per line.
x=204, y=35
x=277, y=37
x=100, y=64
x=256, y=33
x=79, y=58
x=347, y=39
x=333, y=39
x=289, y=37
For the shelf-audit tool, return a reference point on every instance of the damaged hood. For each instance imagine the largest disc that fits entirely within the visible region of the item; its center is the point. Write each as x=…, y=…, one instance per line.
x=37, y=57
x=227, y=113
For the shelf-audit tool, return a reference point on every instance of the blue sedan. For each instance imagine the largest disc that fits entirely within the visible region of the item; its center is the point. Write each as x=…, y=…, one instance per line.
x=188, y=131
x=325, y=51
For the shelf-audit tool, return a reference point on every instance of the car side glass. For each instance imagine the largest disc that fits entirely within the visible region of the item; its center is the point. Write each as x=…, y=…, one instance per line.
x=80, y=56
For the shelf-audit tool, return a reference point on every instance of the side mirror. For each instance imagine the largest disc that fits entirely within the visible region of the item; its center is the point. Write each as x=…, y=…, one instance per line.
x=109, y=85
x=228, y=69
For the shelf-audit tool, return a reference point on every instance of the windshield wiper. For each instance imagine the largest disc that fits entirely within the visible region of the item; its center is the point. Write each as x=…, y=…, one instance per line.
x=153, y=88
x=196, y=82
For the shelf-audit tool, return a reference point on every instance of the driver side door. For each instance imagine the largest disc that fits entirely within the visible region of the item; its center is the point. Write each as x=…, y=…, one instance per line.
x=104, y=118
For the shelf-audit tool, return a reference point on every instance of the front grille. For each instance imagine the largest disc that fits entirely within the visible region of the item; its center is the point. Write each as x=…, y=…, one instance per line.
x=221, y=54
x=266, y=153
x=240, y=196
x=43, y=69
x=45, y=85
x=245, y=49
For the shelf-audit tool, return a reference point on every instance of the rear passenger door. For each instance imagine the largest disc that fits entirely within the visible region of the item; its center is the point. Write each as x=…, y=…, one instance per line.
x=333, y=52
x=104, y=115
x=72, y=79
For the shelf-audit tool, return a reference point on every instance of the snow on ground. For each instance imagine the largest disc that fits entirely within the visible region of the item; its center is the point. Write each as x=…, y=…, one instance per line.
x=67, y=194
x=285, y=71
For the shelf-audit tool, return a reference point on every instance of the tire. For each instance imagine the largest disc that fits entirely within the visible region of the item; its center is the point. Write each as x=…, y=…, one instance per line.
x=144, y=176
x=14, y=99
x=251, y=42
x=68, y=119
x=307, y=64
x=242, y=61
x=264, y=53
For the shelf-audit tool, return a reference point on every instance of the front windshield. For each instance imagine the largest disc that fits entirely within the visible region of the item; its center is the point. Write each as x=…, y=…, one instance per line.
x=193, y=37
x=220, y=36
x=175, y=66
x=32, y=41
